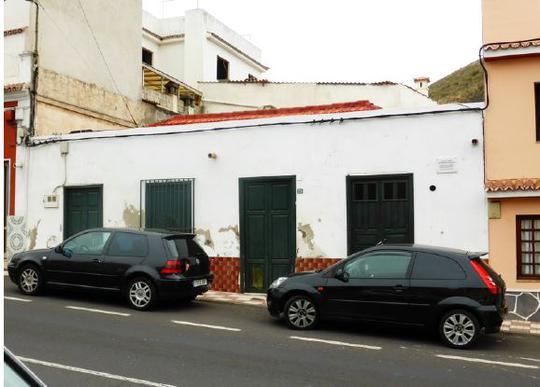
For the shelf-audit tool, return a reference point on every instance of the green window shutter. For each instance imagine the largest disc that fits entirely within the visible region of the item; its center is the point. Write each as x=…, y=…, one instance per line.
x=169, y=204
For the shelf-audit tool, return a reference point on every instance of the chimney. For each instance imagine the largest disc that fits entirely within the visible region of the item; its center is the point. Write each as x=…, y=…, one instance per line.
x=422, y=85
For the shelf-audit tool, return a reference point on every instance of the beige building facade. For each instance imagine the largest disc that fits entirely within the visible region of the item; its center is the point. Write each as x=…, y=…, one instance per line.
x=511, y=55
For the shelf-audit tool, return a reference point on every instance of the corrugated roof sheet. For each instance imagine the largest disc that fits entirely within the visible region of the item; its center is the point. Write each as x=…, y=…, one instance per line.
x=268, y=113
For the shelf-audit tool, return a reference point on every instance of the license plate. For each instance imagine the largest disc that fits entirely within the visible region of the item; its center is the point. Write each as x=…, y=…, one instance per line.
x=201, y=282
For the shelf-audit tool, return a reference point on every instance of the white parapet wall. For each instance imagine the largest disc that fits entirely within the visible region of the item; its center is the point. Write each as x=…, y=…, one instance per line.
x=320, y=156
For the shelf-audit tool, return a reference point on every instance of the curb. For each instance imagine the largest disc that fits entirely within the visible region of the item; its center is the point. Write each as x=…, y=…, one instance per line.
x=522, y=327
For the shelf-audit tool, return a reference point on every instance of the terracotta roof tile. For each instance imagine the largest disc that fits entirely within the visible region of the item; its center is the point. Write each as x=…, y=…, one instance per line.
x=14, y=31
x=267, y=113
x=15, y=87
x=509, y=46
x=524, y=184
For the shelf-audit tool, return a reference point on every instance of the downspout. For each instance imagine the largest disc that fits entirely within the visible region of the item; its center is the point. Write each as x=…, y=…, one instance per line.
x=34, y=83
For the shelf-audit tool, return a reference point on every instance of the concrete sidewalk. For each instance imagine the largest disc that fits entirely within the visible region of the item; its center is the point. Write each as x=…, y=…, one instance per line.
x=254, y=299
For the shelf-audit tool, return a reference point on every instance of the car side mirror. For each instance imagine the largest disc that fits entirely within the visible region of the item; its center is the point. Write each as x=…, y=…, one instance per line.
x=342, y=275
x=58, y=249
x=67, y=252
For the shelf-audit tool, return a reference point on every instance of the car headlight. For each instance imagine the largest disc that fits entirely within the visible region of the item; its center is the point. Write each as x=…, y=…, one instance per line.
x=278, y=282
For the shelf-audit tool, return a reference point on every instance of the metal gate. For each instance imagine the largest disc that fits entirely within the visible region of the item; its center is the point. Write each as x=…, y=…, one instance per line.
x=168, y=204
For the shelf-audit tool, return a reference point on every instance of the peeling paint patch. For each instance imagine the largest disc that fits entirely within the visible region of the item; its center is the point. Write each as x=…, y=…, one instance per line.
x=51, y=242
x=32, y=236
x=234, y=229
x=207, y=237
x=131, y=216
x=307, y=234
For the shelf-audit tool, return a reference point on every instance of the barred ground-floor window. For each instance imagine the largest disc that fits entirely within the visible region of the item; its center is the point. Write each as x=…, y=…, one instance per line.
x=528, y=246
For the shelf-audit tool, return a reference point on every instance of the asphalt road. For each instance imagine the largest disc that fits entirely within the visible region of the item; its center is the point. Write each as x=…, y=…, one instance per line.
x=243, y=346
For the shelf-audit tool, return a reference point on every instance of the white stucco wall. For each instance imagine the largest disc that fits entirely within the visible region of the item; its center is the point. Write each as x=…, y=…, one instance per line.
x=319, y=155
x=17, y=14
x=67, y=47
x=239, y=66
x=304, y=94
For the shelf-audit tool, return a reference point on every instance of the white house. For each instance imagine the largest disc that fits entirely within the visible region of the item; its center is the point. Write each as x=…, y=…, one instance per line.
x=268, y=191
x=198, y=47
x=251, y=94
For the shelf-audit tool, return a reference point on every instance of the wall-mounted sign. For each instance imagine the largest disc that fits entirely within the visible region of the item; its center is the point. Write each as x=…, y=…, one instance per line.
x=447, y=165
x=299, y=191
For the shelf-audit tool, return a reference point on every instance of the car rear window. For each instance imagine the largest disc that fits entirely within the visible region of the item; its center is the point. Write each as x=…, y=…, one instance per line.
x=129, y=245
x=433, y=267
x=182, y=247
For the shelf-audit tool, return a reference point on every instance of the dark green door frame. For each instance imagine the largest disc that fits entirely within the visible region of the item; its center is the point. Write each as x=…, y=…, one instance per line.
x=99, y=220
x=242, y=183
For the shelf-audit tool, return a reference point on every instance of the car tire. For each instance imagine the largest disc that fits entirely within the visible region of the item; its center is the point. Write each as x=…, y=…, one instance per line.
x=141, y=293
x=459, y=329
x=30, y=279
x=301, y=313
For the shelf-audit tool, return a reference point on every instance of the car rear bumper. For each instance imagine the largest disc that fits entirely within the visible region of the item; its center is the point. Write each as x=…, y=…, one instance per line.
x=179, y=286
x=491, y=318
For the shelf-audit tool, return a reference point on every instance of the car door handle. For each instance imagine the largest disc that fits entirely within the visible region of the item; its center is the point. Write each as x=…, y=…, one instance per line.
x=97, y=260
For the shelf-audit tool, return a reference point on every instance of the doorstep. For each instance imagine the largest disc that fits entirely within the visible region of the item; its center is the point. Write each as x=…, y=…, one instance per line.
x=258, y=299
x=254, y=299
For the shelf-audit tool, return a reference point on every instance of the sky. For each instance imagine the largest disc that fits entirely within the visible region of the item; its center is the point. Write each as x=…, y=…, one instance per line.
x=349, y=40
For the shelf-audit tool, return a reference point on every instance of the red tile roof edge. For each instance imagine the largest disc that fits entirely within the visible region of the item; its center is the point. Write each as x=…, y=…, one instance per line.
x=522, y=184
x=14, y=31
x=15, y=87
x=509, y=46
x=268, y=113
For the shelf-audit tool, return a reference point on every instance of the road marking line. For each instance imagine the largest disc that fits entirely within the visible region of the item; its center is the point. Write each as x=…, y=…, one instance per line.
x=98, y=311
x=476, y=360
x=95, y=373
x=333, y=342
x=206, y=326
x=17, y=299
x=530, y=359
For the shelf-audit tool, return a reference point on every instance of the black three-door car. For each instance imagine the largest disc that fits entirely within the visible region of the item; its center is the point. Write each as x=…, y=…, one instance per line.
x=453, y=291
x=144, y=265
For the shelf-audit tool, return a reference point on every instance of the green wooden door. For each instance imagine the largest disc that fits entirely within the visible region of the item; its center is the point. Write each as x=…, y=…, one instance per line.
x=83, y=209
x=380, y=208
x=268, y=244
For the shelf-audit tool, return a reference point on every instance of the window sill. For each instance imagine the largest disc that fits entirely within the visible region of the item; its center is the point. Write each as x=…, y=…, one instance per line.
x=525, y=280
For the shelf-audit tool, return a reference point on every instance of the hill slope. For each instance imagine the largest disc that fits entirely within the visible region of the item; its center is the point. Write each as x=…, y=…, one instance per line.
x=463, y=85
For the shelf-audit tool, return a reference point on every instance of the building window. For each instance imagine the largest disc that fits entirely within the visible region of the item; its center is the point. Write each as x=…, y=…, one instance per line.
x=528, y=246
x=537, y=105
x=222, y=69
x=147, y=56
x=168, y=204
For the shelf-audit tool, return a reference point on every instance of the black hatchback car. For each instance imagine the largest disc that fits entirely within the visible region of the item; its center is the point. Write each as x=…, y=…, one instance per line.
x=453, y=291
x=143, y=265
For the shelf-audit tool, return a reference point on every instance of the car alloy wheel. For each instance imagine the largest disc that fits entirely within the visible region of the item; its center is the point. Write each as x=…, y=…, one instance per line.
x=29, y=280
x=459, y=329
x=140, y=293
x=301, y=313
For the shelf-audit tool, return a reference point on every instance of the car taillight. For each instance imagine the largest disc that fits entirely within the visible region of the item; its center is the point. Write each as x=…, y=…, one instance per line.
x=172, y=266
x=485, y=277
